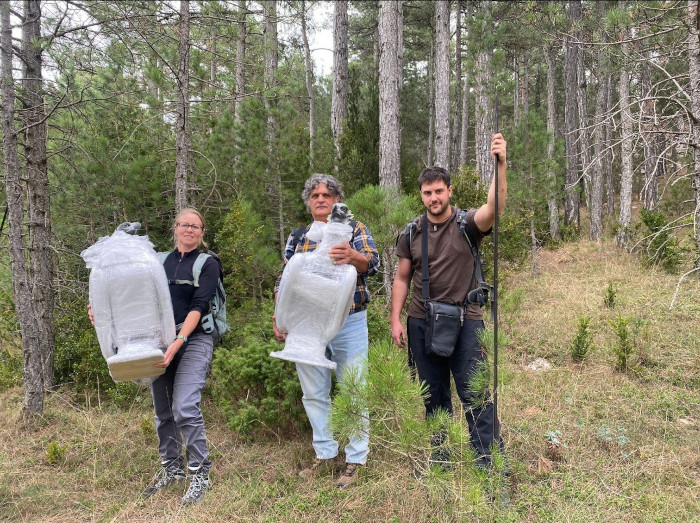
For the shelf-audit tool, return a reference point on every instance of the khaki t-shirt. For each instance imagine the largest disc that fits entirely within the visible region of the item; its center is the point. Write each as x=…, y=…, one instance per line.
x=450, y=263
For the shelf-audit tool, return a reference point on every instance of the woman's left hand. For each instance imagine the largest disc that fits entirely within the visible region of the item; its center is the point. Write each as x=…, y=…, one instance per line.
x=170, y=353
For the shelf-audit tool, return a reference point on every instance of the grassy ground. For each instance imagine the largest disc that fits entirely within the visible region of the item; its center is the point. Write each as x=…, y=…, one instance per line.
x=585, y=441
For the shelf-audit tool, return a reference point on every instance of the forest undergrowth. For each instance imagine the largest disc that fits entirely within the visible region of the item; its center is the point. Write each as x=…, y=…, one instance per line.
x=587, y=439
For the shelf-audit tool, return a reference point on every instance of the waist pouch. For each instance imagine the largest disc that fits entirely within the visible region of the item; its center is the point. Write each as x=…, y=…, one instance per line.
x=443, y=321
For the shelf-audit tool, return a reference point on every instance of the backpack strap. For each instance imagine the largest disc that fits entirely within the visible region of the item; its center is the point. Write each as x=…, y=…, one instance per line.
x=196, y=268
x=297, y=235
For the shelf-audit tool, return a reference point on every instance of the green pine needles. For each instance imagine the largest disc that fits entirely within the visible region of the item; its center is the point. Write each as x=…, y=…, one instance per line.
x=581, y=344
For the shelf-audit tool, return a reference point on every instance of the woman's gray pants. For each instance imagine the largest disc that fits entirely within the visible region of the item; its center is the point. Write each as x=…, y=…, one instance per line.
x=176, y=398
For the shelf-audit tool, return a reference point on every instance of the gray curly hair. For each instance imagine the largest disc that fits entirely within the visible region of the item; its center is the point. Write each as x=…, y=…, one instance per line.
x=333, y=185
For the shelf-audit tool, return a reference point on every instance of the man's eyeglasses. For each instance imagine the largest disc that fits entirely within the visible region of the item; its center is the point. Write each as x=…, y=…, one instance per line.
x=195, y=228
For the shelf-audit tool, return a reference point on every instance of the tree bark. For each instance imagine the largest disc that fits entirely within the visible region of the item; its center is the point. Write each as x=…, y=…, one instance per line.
x=33, y=402
x=39, y=205
x=551, y=132
x=442, y=84
x=431, y=104
x=609, y=155
x=625, y=219
x=240, y=89
x=182, y=133
x=239, y=92
x=270, y=99
x=572, y=200
x=694, y=73
x=650, y=190
x=483, y=103
x=582, y=101
x=309, y=89
x=464, y=134
x=596, y=209
x=339, y=102
x=389, y=66
x=456, y=120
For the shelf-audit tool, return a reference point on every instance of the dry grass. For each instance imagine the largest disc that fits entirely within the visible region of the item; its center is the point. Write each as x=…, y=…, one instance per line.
x=632, y=441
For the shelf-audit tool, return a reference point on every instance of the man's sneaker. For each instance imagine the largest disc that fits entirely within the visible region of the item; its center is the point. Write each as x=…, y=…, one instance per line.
x=316, y=467
x=164, y=477
x=199, y=483
x=349, y=476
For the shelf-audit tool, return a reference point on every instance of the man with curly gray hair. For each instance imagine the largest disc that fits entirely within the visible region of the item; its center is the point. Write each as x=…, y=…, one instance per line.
x=348, y=349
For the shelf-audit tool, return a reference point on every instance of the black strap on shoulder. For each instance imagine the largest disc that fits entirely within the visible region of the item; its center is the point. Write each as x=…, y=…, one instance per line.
x=424, y=260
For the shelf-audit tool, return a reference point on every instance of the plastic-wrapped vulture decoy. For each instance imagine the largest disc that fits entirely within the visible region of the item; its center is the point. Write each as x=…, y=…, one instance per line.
x=131, y=304
x=315, y=296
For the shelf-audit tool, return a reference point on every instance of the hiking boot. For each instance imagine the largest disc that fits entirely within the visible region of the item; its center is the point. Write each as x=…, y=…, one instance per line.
x=349, y=476
x=199, y=484
x=316, y=467
x=165, y=476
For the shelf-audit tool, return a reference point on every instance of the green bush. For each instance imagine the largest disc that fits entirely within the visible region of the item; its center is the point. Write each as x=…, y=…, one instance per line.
x=581, y=344
x=256, y=393
x=626, y=328
x=10, y=369
x=609, y=296
x=660, y=246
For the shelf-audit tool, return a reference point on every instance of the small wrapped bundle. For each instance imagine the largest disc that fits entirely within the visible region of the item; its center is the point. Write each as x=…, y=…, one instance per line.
x=131, y=304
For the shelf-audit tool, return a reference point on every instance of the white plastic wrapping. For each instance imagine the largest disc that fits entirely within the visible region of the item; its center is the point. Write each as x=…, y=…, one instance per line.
x=314, y=298
x=131, y=304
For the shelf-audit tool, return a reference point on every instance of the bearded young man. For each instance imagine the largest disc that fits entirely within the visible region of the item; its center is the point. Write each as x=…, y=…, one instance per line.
x=451, y=266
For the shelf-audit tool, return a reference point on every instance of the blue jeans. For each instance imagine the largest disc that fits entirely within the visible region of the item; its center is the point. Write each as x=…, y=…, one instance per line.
x=176, y=398
x=348, y=349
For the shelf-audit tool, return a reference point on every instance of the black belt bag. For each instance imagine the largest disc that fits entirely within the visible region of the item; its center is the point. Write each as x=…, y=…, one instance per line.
x=443, y=321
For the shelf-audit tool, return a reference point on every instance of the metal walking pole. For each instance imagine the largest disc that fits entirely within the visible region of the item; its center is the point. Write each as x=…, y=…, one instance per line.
x=494, y=304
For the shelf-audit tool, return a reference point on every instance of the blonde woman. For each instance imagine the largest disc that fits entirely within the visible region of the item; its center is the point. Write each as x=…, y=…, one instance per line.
x=178, y=392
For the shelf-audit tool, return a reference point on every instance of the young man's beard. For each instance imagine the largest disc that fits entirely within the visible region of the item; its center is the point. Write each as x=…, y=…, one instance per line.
x=442, y=209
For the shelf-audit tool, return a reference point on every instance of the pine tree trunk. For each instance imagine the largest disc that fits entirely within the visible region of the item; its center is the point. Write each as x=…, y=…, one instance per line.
x=464, y=134
x=551, y=131
x=582, y=101
x=694, y=72
x=33, y=402
x=483, y=103
x=648, y=109
x=339, y=102
x=442, y=84
x=240, y=89
x=272, y=169
x=431, y=94
x=456, y=120
x=625, y=219
x=182, y=134
x=572, y=200
x=608, y=161
x=239, y=92
x=596, y=209
x=212, y=63
x=38, y=198
x=309, y=89
x=389, y=131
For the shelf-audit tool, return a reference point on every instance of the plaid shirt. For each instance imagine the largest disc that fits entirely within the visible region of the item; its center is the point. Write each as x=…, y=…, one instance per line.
x=362, y=242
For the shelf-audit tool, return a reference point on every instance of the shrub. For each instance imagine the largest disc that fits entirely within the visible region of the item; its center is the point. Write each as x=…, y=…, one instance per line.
x=609, y=296
x=624, y=347
x=661, y=247
x=256, y=393
x=581, y=344
x=10, y=369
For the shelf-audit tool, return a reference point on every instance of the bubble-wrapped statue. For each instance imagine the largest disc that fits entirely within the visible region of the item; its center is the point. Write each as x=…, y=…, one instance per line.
x=131, y=304
x=315, y=296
